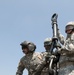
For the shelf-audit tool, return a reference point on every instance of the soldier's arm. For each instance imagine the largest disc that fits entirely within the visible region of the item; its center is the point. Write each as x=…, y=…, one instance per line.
x=39, y=68
x=61, y=37
x=71, y=48
x=67, y=49
x=57, y=57
x=40, y=65
x=71, y=45
x=20, y=68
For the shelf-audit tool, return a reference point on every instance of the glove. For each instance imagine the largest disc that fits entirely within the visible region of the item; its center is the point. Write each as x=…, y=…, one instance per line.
x=52, y=56
x=63, y=51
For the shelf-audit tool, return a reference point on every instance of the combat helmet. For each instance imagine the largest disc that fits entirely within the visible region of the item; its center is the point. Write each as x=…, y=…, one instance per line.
x=47, y=41
x=30, y=45
x=69, y=26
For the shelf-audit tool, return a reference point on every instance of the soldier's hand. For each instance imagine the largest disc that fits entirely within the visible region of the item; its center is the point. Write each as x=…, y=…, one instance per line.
x=60, y=50
x=63, y=51
x=47, y=54
x=52, y=56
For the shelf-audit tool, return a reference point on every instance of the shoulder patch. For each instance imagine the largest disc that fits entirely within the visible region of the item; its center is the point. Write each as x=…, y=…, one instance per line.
x=39, y=56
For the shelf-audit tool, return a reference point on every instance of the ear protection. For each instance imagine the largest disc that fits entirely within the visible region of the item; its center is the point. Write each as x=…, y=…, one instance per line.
x=31, y=47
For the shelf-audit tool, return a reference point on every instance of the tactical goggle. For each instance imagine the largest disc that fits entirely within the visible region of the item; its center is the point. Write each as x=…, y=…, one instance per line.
x=47, y=43
x=23, y=47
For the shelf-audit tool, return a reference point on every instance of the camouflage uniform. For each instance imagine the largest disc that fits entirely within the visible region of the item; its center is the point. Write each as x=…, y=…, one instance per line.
x=67, y=54
x=45, y=55
x=45, y=70
x=32, y=61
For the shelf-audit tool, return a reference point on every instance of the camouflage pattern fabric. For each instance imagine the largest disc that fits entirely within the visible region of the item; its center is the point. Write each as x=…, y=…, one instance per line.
x=45, y=70
x=67, y=70
x=67, y=56
x=30, y=62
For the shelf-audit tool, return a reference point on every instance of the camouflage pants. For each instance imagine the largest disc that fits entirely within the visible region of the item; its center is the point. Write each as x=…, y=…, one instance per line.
x=68, y=70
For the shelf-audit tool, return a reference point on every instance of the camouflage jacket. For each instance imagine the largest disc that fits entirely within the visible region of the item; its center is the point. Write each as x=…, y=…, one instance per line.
x=45, y=70
x=67, y=55
x=67, y=52
x=68, y=43
x=30, y=62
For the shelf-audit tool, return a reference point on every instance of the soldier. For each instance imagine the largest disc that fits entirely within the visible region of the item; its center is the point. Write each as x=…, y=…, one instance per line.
x=47, y=55
x=47, y=45
x=67, y=51
x=31, y=60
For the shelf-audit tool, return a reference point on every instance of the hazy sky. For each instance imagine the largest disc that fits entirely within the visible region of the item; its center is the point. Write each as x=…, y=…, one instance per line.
x=28, y=20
